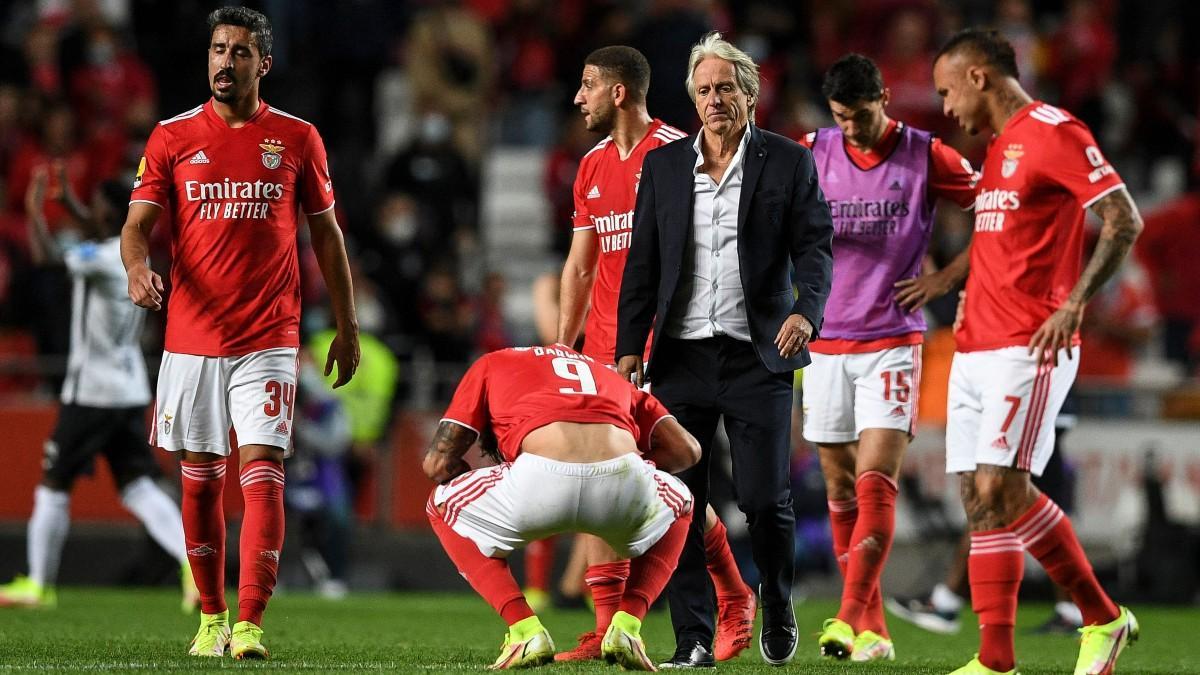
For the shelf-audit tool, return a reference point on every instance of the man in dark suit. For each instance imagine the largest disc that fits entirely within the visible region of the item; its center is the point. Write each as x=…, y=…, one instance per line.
x=726, y=221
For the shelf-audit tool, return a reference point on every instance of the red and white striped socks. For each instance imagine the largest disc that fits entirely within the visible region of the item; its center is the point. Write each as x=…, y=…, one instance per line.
x=997, y=563
x=995, y=566
x=1049, y=537
x=262, y=537
x=204, y=530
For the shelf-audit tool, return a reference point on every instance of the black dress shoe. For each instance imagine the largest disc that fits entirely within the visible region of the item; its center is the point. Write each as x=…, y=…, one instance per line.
x=777, y=640
x=692, y=654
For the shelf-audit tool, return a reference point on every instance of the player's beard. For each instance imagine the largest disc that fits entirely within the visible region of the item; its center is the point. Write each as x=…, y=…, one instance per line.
x=230, y=94
x=601, y=121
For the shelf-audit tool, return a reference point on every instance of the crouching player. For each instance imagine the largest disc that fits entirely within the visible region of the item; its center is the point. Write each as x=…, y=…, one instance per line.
x=578, y=448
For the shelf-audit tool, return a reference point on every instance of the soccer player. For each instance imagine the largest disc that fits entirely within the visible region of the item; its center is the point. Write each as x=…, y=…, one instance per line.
x=612, y=96
x=234, y=173
x=1018, y=343
x=567, y=432
x=882, y=179
x=104, y=395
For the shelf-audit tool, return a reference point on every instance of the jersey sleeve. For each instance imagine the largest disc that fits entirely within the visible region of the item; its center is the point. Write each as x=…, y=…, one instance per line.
x=316, y=185
x=469, y=406
x=647, y=413
x=1073, y=161
x=581, y=219
x=153, y=181
x=951, y=176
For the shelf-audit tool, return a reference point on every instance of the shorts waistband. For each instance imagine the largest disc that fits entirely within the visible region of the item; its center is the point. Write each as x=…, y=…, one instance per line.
x=581, y=469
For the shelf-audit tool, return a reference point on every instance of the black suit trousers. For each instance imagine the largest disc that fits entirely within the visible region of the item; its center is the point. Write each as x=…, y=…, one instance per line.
x=699, y=381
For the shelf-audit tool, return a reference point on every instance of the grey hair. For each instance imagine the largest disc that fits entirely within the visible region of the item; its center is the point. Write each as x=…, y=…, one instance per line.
x=745, y=70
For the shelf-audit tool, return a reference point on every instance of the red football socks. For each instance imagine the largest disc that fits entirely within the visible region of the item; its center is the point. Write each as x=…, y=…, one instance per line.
x=262, y=537
x=727, y=580
x=1049, y=537
x=539, y=563
x=204, y=530
x=649, y=572
x=842, y=517
x=606, y=581
x=862, y=604
x=995, y=566
x=490, y=577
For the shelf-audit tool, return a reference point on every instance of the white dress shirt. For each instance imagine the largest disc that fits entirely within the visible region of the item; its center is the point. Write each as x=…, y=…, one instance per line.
x=709, y=300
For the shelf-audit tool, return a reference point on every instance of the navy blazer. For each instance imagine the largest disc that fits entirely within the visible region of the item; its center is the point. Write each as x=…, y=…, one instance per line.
x=784, y=236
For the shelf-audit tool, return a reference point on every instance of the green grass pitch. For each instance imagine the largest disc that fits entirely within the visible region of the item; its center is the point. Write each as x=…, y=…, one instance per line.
x=125, y=630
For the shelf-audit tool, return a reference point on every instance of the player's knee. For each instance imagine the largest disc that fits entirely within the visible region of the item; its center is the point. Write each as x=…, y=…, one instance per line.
x=839, y=487
x=764, y=504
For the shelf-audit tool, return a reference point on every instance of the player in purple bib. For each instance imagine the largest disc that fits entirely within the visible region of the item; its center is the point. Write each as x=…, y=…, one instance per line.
x=881, y=179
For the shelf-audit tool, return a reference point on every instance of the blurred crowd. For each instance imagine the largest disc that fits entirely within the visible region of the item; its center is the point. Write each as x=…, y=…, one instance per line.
x=411, y=97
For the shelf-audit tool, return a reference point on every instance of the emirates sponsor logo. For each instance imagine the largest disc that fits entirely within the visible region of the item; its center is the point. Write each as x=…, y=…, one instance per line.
x=997, y=200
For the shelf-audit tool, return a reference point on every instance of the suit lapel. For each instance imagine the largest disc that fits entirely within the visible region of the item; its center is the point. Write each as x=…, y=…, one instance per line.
x=752, y=166
x=683, y=192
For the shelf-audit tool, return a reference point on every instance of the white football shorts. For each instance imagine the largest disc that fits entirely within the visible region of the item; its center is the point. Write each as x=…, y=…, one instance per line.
x=201, y=397
x=625, y=501
x=1002, y=406
x=846, y=393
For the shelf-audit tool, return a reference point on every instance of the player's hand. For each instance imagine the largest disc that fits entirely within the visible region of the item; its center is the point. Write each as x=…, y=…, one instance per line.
x=1056, y=333
x=913, y=294
x=343, y=351
x=35, y=194
x=631, y=368
x=145, y=287
x=793, y=335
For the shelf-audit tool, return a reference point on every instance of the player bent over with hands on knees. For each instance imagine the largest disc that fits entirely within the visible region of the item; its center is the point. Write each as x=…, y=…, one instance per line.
x=235, y=173
x=578, y=448
x=1017, y=346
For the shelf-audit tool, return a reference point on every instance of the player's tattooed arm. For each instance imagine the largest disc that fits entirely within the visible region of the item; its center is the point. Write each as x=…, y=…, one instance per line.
x=1122, y=225
x=444, y=458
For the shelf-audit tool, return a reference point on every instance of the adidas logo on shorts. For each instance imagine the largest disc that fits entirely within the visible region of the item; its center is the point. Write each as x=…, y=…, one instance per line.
x=898, y=411
x=1000, y=443
x=282, y=427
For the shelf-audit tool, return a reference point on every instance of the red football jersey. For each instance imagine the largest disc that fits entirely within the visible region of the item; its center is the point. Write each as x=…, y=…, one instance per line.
x=605, y=196
x=518, y=390
x=1039, y=176
x=234, y=195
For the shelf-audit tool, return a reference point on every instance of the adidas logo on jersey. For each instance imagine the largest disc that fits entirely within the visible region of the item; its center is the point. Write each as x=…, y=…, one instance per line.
x=594, y=193
x=895, y=185
x=199, y=158
x=1000, y=443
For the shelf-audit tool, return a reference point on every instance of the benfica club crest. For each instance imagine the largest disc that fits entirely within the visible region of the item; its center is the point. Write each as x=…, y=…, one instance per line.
x=271, y=149
x=1012, y=156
